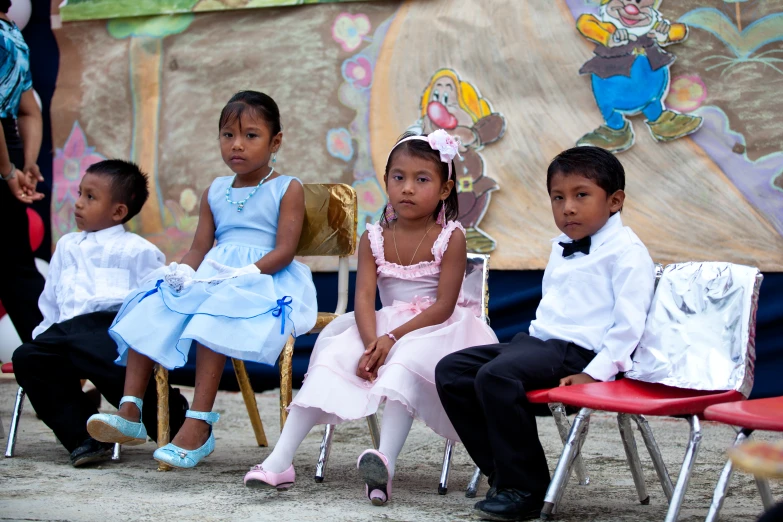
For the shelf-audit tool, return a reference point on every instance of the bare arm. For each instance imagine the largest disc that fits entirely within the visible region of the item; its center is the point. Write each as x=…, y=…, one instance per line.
x=289, y=229
x=21, y=185
x=31, y=131
x=366, y=287
x=205, y=235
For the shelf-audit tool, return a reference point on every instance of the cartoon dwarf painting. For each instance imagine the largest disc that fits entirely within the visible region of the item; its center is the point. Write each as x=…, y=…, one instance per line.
x=630, y=72
x=457, y=107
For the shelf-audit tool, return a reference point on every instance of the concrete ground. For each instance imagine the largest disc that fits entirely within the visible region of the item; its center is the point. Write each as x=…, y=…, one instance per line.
x=39, y=484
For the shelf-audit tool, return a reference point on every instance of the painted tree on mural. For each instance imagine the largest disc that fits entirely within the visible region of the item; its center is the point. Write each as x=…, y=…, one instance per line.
x=146, y=57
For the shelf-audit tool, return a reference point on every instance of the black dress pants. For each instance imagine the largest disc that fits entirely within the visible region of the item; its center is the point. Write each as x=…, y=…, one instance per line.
x=50, y=368
x=20, y=283
x=483, y=390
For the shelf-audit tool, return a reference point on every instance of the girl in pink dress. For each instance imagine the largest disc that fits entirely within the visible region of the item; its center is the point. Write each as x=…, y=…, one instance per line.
x=416, y=257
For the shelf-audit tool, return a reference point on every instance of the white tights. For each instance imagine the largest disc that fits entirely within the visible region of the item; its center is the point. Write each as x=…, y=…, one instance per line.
x=394, y=430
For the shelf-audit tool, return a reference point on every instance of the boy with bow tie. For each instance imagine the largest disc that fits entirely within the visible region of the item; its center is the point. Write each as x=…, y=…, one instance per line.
x=597, y=290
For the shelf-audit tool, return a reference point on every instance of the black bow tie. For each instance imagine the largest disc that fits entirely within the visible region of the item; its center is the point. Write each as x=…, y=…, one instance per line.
x=581, y=245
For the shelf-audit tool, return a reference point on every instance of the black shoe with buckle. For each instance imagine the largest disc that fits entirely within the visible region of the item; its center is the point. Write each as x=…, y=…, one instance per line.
x=90, y=452
x=509, y=505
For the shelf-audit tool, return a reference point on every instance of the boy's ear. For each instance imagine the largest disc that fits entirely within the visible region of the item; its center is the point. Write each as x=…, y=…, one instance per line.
x=616, y=201
x=119, y=213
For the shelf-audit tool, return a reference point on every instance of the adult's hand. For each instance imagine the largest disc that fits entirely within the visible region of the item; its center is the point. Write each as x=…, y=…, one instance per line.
x=19, y=186
x=33, y=172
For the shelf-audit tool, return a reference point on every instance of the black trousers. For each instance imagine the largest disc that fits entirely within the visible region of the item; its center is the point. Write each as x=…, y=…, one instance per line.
x=483, y=390
x=50, y=367
x=20, y=284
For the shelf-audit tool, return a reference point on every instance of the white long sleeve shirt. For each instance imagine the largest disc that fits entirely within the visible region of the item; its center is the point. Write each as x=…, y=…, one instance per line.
x=93, y=272
x=598, y=301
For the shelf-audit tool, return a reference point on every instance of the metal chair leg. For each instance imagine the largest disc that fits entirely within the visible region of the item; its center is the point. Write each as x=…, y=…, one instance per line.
x=375, y=432
x=443, y=485
x=323, y=456
x=116, y=453
x=164, y=433
x=565, y=463
x=723, y=482
x=655, y=455
x=561, y=421
x=686, y=469
x=632, y=454
x=766, y=495
x=473, y=484
x=13, y=428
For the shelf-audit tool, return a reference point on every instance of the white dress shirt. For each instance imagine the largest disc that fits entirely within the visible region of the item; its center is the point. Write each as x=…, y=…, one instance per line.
x=93, y=272
x=598, y=301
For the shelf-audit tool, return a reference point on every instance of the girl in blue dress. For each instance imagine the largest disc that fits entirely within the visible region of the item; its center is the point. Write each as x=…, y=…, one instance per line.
x=238, y=292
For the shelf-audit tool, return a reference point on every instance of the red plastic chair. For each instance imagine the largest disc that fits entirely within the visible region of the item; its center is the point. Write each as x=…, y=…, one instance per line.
x=629, y=397
x=758, y=414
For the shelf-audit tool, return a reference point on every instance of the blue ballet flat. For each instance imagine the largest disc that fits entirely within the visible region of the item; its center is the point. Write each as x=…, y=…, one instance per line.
x=182, y=458
x=113, y=428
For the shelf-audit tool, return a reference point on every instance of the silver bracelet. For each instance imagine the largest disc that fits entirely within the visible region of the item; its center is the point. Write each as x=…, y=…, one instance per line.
x=11, y=175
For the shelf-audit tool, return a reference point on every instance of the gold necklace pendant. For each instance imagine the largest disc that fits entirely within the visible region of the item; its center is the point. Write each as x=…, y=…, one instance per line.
x=394, y=237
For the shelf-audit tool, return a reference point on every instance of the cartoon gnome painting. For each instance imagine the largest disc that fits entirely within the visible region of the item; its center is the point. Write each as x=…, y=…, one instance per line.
x=630, y=72
x=457, y=107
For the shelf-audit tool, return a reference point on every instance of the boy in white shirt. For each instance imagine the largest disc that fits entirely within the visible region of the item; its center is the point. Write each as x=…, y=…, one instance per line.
x=597, y=290
x=90, y=274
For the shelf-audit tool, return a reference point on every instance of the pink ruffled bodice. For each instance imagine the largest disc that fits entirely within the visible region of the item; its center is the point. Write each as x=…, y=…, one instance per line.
x=411, y=283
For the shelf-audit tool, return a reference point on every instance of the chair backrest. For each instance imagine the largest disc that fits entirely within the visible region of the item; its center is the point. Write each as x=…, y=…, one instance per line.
x=329, y=227
x=700, y=332
x=475, y=287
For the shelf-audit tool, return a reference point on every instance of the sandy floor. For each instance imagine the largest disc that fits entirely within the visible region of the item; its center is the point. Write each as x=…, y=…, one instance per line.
x=39, y=484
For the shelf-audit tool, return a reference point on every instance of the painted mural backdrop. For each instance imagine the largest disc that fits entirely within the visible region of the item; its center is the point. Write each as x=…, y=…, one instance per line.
x=72, y=10
x=351, y=77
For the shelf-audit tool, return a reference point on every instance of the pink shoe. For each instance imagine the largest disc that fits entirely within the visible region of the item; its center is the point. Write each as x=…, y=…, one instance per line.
x=374, y=468
x=260, y=478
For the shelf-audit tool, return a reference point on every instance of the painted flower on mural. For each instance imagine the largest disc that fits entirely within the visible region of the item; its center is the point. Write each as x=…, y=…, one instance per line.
x=358, y=71
x=349, y=30
x=70, y=164
x=188, y=200
x=687, y=93
x=371, y=199
x=340, y=144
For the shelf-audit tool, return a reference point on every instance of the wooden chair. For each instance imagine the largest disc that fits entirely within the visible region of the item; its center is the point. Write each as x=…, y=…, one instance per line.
x=329, y=229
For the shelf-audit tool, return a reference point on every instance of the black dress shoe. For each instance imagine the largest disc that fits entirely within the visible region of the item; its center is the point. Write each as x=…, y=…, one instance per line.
x=491, y=492
x=91, y=451
x=509, y=505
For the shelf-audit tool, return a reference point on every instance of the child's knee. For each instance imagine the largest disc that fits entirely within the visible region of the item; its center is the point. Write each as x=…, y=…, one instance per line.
x=23, y=358
x=444, y=369
x=492, y=379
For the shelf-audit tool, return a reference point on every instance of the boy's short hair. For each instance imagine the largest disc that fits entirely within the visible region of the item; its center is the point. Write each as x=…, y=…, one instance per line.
x=591, y=162
x=128, y=183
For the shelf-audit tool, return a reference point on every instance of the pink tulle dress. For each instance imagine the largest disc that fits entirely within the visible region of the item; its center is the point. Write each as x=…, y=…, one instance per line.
x=408, y=376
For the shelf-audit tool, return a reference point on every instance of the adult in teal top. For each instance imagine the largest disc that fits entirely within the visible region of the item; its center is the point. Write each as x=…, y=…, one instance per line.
x=20, y=142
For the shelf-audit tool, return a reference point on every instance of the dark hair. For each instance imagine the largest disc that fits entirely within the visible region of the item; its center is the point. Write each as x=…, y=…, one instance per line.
x=5, y=5
x=128, y=183
x=258, y=103
x=422, y=149
x=591, y=162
